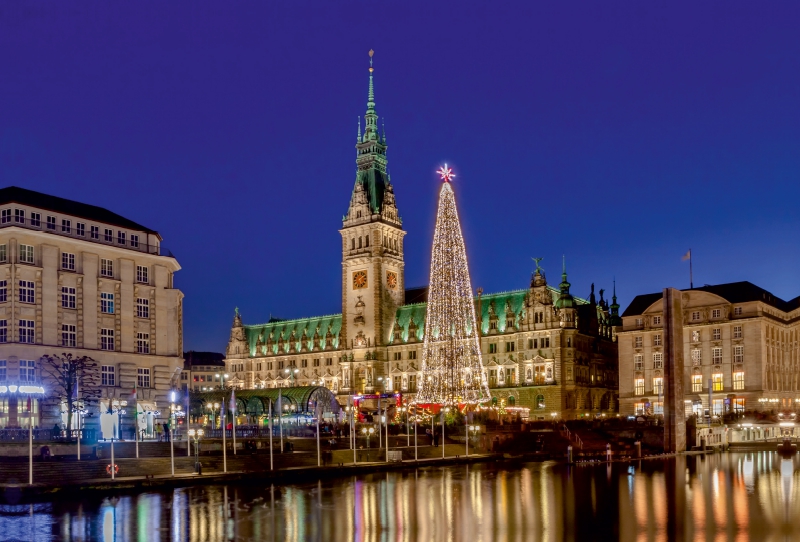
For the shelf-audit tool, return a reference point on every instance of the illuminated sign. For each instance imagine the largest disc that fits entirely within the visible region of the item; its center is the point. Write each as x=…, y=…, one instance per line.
x=23, y=390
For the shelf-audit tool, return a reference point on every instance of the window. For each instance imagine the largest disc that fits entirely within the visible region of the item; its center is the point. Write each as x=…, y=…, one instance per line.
x=737, y=311
x=80, y=229
x=303, y=363
x=5, y=216
x=716, y=380
x=143, y=377
x=639, y=322
x=510, y=346
x=638, y=386
x=716, y=313
x=51, y=223
x=107, y=303
x=108, y=235
x=66, y=225
x=493, y=324
x=27, y=370
x=716, y=355
x=637, y=342
x=697, y=356
x=697, y=383
x=695, y=336
x=738, y=354
x=26, y=254
x=509, y=323
x=68, y=261
x=134, y=241
x=36, y=220
x=316, y=362
x=657, y=339
x=19, y=216
x=3, y=331
x=638, y=364
x=120, y=237
x=3, y=368
x=26, y=331
x=532, y=344
x=412, y=354
x=107, y=375
x=68, y=335
x=142, y=307
x=95, y=232
x=107, y=339
x=3, y=291
x=696, y=315
x=658, y=385
x=398, y=356
x=716, y=334
x=656, y=320
x=141, y=274
x=738, y=405
x=546, y=342
x=3, y=253
x=737, y=332
x=738, y=380
x=27, y=291
x=143, y=343
x=658, y=360
x=280, y=365
x=492, y=348
x=328, y=361
x=638, y=409
x=67, y=297
x=106, y=267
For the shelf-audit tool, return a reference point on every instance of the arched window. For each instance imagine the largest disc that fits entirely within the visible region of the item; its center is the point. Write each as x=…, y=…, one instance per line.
x=494, y=401
x=359, y=242
x=353, y=243
x=540, y=402
x=366, y=241
x=512, y=400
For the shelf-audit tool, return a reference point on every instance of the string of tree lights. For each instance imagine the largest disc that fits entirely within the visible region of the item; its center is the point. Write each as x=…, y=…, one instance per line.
x=452, y=369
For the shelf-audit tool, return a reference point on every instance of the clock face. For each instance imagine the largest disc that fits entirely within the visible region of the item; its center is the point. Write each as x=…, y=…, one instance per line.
x=359, y=280
x=391, y=279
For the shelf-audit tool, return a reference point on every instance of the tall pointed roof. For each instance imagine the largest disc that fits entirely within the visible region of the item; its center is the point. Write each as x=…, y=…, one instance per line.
x=565, y=299
x=372, y=176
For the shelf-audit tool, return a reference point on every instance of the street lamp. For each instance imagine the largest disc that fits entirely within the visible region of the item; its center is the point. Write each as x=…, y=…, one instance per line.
x=222, y=378
x=368, y=432
x=197, y=434
x=292, y=371
x=212, y=407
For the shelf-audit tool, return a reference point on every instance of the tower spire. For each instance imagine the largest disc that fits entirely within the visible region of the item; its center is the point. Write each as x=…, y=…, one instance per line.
x=371, y=118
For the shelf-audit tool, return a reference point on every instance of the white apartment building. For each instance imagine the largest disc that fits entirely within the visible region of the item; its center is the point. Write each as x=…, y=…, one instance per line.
x=80, y=279
x=740, y=343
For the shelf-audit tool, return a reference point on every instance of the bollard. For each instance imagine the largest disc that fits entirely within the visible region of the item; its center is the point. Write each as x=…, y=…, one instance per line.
x=569, y=454
x=608, y=452
x=638, y=445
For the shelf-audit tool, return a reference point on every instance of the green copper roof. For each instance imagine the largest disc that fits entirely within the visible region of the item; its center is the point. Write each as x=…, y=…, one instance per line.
x=375, y=182
x=283, y=330
x=501, y=303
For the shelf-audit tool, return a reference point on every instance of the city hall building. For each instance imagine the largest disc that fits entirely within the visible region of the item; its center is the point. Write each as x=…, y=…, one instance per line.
x=545, y=351
x=79, y=279
x=740, y=351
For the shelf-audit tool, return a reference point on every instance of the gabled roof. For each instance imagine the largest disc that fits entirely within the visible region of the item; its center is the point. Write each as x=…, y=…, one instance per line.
x=733, y=292
x=23, y=196
x=283, y=329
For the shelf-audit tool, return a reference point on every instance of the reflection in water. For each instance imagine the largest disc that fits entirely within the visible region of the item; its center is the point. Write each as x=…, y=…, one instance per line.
x=717, y=497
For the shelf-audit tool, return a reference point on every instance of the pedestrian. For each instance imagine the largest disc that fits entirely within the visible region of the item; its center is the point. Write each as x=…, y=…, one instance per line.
x=159, y=431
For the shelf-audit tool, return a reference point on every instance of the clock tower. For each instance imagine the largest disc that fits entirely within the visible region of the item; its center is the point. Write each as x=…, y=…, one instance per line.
x=372, y=259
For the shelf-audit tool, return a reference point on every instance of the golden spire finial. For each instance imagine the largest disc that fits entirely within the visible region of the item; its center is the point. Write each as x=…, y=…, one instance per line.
x=371, y=52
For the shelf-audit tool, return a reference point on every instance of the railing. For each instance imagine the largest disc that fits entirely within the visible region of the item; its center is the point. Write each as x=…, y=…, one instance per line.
x=570, y=436
x=255, y=431
x=41, y=225
x=49, y=435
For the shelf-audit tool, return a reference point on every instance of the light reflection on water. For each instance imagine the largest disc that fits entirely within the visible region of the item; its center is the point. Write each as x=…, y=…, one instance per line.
x=719, y=497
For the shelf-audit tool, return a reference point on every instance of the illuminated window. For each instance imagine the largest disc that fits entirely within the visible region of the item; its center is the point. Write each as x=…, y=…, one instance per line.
x=697, y=383
x=738, y=380
x=697, y=356
x=695, y=336
x=658, y=408
x=738, y=405
x=638, y=409
x=658, y=385
x=716, y=381
x=638, y=386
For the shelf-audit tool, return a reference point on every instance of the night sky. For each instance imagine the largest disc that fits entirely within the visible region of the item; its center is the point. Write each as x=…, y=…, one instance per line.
x=617, y=134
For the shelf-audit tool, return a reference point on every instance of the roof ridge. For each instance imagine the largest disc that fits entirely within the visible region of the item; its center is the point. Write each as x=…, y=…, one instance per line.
x=293, y=320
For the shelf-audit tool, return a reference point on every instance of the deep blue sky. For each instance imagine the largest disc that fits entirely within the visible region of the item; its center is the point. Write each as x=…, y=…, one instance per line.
x=619, y=134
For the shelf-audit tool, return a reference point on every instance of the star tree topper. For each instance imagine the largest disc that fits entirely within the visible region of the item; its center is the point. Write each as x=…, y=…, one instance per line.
x=446, y=173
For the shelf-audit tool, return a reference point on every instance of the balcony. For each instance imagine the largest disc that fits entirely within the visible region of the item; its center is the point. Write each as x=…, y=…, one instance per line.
x=40, y=225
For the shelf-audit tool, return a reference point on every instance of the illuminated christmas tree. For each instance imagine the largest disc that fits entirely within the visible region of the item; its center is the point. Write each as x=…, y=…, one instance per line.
x=452, y=370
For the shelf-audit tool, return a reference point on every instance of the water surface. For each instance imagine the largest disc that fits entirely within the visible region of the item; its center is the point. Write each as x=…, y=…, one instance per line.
x=718, y=497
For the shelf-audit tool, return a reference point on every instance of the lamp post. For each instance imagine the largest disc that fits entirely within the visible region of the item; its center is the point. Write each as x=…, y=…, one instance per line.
x=368, y=432
x=170, y=432
x=292, y=371
x=196, y=435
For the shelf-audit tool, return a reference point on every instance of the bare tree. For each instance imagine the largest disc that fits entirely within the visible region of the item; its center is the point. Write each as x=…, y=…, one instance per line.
x=71, y=379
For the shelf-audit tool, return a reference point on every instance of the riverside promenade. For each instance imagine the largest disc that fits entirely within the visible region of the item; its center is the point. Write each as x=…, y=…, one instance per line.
x=153, y=469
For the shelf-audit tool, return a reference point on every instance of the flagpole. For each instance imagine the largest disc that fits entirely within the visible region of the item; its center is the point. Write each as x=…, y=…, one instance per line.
x=280, y=415
x=30, y=441
x=270, y=434
x=691, y=279
x=77, y=404
x=186, y=423
x=136, y=417
x=233, y=413
x=224, y=413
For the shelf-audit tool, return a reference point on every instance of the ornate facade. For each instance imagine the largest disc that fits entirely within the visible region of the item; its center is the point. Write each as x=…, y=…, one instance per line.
x=543, y=348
